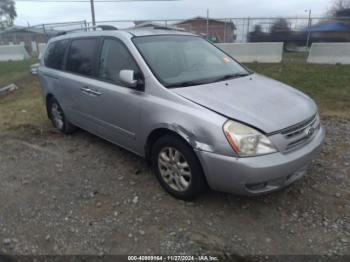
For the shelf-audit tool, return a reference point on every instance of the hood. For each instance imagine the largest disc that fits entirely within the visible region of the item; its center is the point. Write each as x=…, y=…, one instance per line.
x=259, y=101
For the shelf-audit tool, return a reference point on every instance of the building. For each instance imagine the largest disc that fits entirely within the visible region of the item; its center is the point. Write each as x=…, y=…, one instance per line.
x=219, y=31
x=29, y=36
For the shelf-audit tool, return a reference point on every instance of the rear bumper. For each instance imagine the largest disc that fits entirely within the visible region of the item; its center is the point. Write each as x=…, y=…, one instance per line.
x=259, y=175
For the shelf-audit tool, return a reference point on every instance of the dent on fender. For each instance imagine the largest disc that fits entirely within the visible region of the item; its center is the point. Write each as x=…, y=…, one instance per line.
x=192, y=137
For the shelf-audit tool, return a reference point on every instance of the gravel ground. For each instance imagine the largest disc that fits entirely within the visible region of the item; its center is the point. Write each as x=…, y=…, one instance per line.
x=81, y=195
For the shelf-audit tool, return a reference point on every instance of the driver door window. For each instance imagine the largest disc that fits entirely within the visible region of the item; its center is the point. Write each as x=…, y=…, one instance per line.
x=114, y=58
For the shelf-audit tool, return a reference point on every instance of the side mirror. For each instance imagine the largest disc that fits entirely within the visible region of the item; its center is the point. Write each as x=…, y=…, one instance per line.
x=128, y=77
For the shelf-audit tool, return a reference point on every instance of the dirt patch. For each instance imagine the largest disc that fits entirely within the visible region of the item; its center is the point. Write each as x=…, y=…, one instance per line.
x=79, y=194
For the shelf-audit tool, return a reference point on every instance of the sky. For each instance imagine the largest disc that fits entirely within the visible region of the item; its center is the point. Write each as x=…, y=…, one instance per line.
x=37, y=13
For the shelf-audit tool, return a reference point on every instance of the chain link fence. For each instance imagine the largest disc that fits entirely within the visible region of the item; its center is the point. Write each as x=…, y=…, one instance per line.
x=34, y=36
x=297, y=33
x=291, y=31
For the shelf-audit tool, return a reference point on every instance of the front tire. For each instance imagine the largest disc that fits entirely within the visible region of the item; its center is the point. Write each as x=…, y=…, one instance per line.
x=177, y=168
x=58, y=118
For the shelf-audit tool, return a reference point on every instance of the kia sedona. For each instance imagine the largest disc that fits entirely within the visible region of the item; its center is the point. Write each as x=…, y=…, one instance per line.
x=201, y=119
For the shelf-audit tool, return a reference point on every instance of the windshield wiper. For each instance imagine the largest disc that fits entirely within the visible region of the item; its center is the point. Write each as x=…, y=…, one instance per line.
x=231, y=76
x=184, y=84
x=196, y=83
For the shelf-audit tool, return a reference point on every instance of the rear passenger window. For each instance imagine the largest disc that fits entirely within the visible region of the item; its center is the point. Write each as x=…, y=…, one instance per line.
x=114, y=58
x=55, y=53
x=81, y=56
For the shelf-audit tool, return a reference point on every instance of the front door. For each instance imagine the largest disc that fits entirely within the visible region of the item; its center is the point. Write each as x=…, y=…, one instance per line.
x=117, y=108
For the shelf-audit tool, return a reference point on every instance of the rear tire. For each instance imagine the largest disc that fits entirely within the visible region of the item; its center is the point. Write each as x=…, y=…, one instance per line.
x=58, y=118
x=177, y=168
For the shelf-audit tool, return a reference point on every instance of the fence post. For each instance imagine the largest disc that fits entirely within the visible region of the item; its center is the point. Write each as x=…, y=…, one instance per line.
x=248, y=26
x=243, y=30
x=207, y=24
x=225, y=31
x=308, y=31
x=44, y=30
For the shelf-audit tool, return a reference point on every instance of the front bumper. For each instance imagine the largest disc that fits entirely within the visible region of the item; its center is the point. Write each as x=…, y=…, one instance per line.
x=261, y=174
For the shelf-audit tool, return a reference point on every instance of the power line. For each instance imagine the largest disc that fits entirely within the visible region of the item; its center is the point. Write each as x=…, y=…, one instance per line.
x=96, y=1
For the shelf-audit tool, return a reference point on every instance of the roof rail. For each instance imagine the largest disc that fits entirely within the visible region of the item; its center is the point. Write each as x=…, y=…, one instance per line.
x=107, y=27
x=102, y=27
x=167, y=28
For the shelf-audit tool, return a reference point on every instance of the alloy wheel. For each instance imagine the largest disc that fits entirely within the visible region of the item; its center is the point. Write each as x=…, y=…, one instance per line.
x=57, y=115
x=174, y=169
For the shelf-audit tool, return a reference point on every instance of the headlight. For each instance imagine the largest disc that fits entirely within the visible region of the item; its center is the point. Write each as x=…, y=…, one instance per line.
x=247, y=141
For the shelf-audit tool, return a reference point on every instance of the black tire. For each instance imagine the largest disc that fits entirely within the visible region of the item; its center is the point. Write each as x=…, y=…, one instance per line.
x=197, y=183
x=66, y=127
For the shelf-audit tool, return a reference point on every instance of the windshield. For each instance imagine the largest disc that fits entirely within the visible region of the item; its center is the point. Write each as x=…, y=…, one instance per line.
x=178, y=60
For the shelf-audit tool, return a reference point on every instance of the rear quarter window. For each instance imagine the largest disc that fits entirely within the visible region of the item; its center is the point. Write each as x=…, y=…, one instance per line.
x=55, y=53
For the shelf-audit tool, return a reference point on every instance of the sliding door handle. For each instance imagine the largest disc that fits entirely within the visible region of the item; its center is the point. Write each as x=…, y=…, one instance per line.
x=95, y=92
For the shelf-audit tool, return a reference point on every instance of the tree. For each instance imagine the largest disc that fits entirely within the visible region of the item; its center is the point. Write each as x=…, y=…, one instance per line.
x=338, y=7
x=280, y=26
x=280, y=31
x=258, y=29
x=7, y=13
x=343, y=13
x=257, y=35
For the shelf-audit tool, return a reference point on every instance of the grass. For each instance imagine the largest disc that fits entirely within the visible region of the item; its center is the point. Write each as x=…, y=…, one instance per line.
x=23, y=110
x=12, y=71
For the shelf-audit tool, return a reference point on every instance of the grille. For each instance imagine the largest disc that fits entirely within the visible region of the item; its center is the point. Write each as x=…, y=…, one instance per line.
x=298, y=128
x=298, y=135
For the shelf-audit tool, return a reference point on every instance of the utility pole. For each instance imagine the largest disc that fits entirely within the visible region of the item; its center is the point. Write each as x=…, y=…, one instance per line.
x=308, y=30
x=93, y=13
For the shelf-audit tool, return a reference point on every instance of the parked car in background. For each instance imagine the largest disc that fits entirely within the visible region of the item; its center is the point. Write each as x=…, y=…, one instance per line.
x=199, y=117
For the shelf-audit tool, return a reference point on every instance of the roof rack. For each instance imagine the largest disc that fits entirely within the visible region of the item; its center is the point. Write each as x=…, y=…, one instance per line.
x=102, y=27
x=164, y=28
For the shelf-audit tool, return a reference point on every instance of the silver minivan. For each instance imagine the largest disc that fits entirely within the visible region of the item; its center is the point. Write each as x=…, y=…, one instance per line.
x=201, y=119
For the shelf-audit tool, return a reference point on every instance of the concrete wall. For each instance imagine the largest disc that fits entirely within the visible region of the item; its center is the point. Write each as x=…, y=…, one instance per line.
x=254, y=52
x=329, y=53
x=27, y=37
x=34, y=48
x=41, y=47
x=13, y=53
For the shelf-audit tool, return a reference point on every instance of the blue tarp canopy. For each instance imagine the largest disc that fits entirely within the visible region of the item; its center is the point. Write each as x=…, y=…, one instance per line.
x=328, y=27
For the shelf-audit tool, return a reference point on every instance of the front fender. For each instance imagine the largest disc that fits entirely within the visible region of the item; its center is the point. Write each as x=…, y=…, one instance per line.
x=199, y=126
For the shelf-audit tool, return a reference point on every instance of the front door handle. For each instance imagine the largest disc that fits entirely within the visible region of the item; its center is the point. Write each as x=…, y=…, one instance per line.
x=85, y=89
x=90, y=91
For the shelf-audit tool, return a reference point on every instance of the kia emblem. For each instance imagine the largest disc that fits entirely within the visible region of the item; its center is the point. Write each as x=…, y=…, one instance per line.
x=309, y=131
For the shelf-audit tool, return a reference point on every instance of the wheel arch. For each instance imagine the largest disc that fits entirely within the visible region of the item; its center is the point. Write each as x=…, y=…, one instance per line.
x=187, y=137
x=157, y=133
x=163, y=131
x=49, y=96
